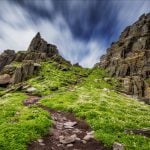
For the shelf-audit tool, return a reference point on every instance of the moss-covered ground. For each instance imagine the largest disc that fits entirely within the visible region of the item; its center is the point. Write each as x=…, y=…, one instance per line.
x=19, y=124
x=81, y=91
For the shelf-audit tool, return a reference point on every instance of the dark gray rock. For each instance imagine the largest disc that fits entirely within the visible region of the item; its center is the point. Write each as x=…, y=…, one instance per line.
x=40, y=45
x=25, y=71
x=6, y=58
x=129, y=58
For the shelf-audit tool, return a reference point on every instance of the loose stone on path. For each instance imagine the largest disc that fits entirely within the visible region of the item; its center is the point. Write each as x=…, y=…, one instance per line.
x=67, y=133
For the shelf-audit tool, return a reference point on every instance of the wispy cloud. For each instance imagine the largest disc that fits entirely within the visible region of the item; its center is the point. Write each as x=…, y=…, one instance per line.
x=81, y=30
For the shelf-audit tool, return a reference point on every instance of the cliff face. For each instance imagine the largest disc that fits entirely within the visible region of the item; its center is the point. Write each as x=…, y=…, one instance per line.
x=129, y=58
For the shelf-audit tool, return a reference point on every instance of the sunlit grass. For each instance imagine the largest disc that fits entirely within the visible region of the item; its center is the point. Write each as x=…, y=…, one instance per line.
x=107, y=112
x=19, y=124
x=81, y=91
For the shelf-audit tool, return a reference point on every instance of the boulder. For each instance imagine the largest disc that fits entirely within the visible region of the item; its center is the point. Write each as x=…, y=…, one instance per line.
x=67, y=139
x=31, y=90
x=31, y=100
x=118, y=146
x=6, y=58
x=5, y=79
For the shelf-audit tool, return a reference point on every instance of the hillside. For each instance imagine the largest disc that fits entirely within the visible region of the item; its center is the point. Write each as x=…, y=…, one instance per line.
x=128, y=59
x=47, y=103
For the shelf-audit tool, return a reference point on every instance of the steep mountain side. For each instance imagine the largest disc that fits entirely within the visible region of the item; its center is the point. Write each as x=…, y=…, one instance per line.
x=129, y=58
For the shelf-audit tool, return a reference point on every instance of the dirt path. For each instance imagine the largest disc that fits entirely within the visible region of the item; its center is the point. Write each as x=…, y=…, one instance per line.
x=67, y=133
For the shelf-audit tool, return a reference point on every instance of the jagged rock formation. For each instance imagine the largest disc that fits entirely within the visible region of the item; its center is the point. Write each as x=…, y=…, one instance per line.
x=40, y=45
x=23, y=72
x=17, y=67
x=129, y=58
x=6, y=58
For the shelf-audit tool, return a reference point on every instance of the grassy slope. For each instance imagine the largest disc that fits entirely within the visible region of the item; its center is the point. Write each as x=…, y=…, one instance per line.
x=20, y=124
x=106, y=111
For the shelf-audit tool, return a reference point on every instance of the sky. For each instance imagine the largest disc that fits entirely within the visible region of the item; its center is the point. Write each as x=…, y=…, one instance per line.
x=82, y=30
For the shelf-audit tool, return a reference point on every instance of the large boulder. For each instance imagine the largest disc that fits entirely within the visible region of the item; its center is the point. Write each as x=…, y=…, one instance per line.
x=5, y=79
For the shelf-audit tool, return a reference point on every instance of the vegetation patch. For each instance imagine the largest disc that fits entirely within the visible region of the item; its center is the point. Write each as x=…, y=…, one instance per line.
x=107, y=112
x=20, y=124
x=89, y=93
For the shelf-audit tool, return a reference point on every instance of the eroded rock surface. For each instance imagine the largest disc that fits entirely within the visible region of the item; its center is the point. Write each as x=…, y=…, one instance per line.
x=23, y=64
x=40, y=45
x=6, y=58
x=129, y=58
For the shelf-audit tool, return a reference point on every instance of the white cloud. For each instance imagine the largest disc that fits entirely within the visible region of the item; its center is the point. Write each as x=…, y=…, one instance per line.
x=130, y=11
x=17, y=30
x=95, y=51
x=56, y=32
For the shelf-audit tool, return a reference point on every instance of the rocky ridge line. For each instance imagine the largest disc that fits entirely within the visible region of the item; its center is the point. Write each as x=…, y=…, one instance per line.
x=18, y=67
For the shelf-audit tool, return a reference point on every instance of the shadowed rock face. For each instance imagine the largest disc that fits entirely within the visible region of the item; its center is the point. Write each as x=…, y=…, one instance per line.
x=6, y=58
x=40, y=45
x=129, y=58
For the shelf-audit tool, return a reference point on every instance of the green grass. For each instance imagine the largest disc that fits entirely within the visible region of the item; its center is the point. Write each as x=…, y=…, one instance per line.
x=107, y=112
x=19, y=124
x=51, y=78
x=16, y=64
x=81, y=91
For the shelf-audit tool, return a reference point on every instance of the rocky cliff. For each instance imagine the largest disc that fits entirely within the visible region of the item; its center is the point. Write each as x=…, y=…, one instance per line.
x=17, y=67
x=129, y=58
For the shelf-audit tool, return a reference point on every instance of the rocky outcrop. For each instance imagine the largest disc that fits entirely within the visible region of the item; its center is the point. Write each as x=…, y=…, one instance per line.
x=129, y=57
x=24, y=72
x=23, y=64
x=6, y=58
x=40, y=45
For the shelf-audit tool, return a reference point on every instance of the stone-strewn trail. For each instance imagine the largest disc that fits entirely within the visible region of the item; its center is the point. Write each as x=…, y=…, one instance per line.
x=67, y=133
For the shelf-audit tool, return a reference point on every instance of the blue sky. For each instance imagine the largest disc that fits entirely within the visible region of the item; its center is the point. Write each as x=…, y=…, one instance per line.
x=81, y=29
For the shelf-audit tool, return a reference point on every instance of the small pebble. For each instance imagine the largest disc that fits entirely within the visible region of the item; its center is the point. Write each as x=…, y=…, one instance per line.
x=88, y=137
x=61, y=137
x=84, y=142
x=42, y=144
x=59, y=145
x=78, y=139
x=90, y=133
x=40, y=140
x=69, y=145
